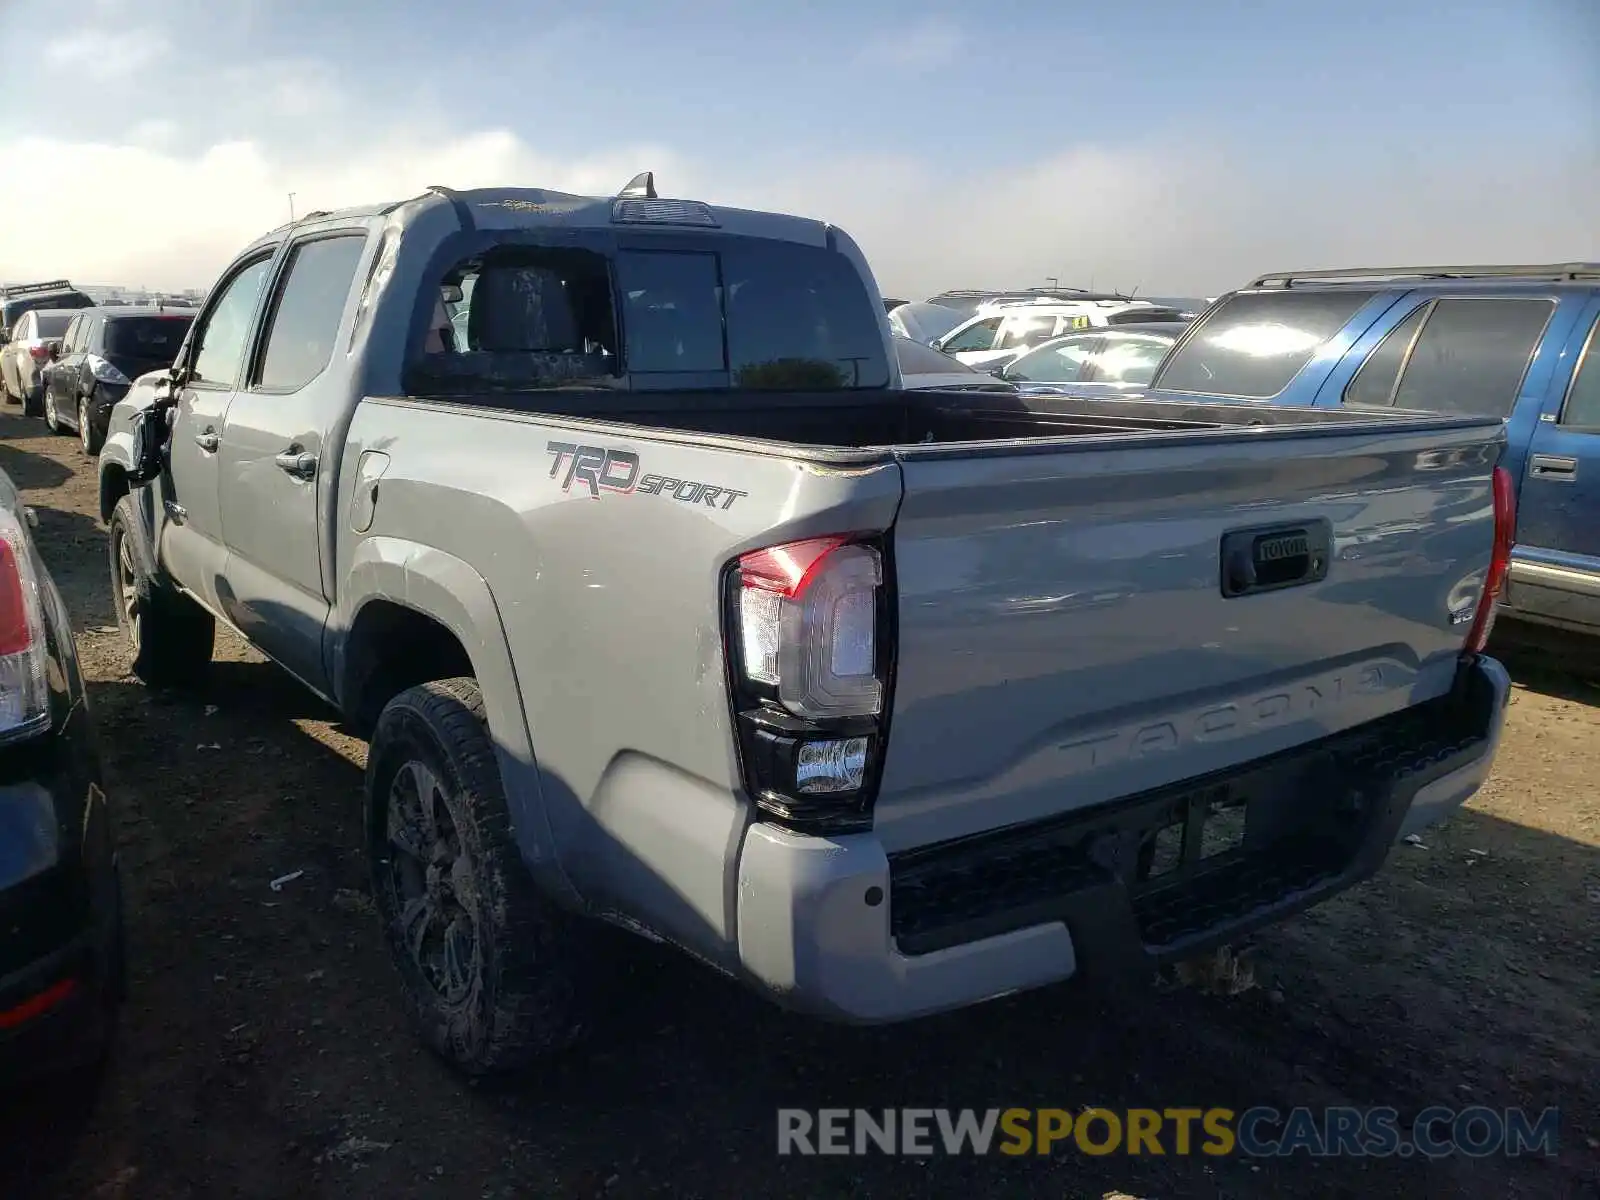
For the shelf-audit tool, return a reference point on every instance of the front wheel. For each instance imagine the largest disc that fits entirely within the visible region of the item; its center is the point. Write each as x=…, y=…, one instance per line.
x=170, y=634
x=90, y=438
x=52, y=419
x=487, y=963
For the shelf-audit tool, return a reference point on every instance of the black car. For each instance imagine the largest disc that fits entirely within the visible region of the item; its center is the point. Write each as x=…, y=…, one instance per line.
x=61, y=956
x=102, y=352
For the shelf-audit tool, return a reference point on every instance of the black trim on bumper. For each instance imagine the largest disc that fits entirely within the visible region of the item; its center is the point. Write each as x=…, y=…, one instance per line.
x=1135, y=881
x=72, y=1033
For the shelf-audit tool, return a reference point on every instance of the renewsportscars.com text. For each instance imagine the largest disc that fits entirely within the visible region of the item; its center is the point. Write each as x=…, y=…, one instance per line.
x=1260, y=1132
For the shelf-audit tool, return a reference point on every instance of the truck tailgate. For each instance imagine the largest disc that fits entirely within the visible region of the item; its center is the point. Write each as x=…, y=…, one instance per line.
x=1064, y=637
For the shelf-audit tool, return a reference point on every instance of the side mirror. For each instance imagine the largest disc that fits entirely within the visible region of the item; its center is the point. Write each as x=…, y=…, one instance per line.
x=55, y=351
x=5, y=335
x=451, y=293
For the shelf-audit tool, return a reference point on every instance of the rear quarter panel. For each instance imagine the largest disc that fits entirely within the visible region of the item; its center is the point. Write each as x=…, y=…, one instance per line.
x=611, y=607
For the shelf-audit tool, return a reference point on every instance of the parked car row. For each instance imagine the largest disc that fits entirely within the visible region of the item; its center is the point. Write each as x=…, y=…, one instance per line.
x=68, y=360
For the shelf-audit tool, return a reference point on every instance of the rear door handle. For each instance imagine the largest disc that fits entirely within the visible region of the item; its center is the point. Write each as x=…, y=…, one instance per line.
x=1555, y=466
x=207, y=441
x=297, y=463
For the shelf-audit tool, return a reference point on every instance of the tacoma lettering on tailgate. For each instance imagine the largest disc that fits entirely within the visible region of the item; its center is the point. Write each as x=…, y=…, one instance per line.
x=606, y=469
x=1219, y=722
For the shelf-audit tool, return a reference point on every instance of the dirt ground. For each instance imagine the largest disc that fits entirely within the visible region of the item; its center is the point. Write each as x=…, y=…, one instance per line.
x=263, y=1052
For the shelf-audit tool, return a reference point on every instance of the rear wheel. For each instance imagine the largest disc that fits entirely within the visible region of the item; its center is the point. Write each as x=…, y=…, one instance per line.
x=90, y=438
x=170, y=634
x=487, y=963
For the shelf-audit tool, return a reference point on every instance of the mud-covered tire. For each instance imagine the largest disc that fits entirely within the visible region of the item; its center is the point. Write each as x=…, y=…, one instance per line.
x=446, y=868
x=171, y=636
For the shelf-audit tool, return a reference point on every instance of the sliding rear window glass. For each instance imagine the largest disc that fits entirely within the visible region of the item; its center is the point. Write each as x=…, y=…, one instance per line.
x=771, y=314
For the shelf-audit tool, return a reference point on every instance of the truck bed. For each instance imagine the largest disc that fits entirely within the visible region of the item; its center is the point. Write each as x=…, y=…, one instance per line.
x=1087, y=601
x=910, y=420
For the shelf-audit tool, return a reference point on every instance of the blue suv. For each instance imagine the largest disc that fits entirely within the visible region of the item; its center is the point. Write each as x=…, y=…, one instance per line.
x=1518, y=342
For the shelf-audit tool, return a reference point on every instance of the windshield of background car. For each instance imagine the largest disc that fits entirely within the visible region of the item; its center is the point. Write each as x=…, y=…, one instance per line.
x=738, y=313
x=917, y=359
x=147, y=337
x=1252, y=344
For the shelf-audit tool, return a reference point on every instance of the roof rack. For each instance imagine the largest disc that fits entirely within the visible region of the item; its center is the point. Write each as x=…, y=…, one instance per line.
x=33, y=289
x=1561, y=272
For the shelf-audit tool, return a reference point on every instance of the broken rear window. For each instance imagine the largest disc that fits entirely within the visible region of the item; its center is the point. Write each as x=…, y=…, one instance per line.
x=740, y=313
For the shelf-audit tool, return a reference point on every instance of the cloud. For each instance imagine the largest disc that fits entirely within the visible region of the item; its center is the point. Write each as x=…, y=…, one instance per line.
x=106, y=55
x=1179, y=218
x=922, y=46
x=177, y=195
x=166, y=219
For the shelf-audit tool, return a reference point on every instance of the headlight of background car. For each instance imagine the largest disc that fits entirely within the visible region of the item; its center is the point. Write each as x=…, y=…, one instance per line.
x=29, y=837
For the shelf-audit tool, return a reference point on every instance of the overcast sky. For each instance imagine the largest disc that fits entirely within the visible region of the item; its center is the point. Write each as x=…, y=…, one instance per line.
x=1173, y=145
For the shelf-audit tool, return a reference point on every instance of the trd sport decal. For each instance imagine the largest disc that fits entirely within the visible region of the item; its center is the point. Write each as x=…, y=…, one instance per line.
x=603, y=470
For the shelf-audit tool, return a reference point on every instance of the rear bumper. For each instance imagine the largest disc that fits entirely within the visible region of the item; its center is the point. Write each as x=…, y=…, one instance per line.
x=840, y=928
x=59, y=1034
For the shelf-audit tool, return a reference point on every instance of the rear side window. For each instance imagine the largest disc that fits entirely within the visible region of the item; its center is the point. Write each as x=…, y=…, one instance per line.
x=1251, y=345
x=1059, y=362
x=1126, y=360
x=147, y=337
x=1472, y=354
x=305, y=316
x=1373, y=385
x=1023, y=332
x=979, y=336
x=1582, y=408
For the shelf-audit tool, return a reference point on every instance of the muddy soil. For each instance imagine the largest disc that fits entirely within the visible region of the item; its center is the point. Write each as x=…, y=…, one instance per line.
x=263, y=1052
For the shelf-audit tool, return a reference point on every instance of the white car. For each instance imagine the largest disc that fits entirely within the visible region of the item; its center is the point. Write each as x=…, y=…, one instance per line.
x=996, y=334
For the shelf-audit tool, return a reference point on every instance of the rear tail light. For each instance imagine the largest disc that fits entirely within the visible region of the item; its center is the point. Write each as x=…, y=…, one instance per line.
x=809, y=658
x=1505, y=536
x=24, y=693
x=39, y=351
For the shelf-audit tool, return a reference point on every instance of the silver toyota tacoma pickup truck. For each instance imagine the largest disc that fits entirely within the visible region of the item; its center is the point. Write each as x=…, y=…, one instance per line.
x=660, y=601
